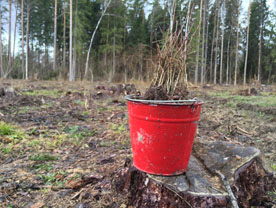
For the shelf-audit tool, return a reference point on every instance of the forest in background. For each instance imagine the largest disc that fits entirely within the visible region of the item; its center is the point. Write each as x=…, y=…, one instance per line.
x=54, y=37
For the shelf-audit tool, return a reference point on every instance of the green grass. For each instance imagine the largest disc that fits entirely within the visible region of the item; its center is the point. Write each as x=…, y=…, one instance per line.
x=43, y=167
x=43, y=157
x=77, y=133
x=7, y=149
x=46, y=93
x=101, y=108
x=79, y=102
x=107, y=143
x=10, y=131
x=118, y=128
x=265, y=100
x=273, y=166
x=51, y=179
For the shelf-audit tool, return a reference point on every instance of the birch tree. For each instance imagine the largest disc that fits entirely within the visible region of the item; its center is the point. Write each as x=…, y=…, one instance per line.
x=71, y=72
x=206, y=41
x=14, y=32
x=261, y=40
x=55, y=37
x=213, y=39
x=216, y=54
x=237, y=49
x=27, y=41
x=203, y=44
x=198, y=43
x=227, y=64
x=9, y=38
x=92, y=38
x=22, y=36
x=171, y=10
x=247, y=40
x=64, y=34
x=222, y=41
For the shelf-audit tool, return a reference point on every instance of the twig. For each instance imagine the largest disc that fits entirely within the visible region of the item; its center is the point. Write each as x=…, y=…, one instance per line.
x=243, y=131
x=228, y=188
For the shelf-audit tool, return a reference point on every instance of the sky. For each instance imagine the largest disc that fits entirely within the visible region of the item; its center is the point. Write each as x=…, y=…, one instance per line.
x=271, y=5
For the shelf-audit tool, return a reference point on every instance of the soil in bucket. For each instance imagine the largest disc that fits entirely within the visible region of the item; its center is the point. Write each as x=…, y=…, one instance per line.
x=158, y=93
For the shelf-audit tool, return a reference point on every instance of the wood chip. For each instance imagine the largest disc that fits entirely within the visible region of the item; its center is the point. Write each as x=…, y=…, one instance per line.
x=38, y=205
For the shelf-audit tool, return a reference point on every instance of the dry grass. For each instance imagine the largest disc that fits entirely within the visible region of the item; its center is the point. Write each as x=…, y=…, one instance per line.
x=170, y=69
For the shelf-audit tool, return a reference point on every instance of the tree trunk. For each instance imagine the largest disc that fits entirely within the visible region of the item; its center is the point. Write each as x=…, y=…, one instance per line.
x=14, y=34
x=9, y=38
x=74, y=64
x=198, y=43
x=214, y=178
x=187, y=32
x=206, y=41
x=228, y=57
x=92, y=38
x=216, y=55
x=222, y=41
x=151, y=37
x=22, y=35
x=171, y=10
x=141, y=64
x=247, y=39
x=1, y=47
x=27, y=42
x=75, y=42
x=213, y=41
x=260, y=50
x=64, y=35
x=124, y=53
x=71, y=73
x=270, y=72
x=203, y=45
x=113, y=59
x=55, y=37
x=230, y=66
x=237, y=53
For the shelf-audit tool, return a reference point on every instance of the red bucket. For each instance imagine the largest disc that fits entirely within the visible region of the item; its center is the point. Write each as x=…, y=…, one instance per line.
x=162, y=134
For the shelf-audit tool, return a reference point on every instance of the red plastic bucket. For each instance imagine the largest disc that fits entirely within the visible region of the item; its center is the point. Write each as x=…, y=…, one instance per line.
x=162, y=134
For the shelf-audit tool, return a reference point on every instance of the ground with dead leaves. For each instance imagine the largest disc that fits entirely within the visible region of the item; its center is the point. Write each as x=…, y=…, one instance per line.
x=61, y=143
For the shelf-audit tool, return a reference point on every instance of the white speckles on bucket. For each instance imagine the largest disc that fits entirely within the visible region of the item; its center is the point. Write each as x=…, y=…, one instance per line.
x=140, y=137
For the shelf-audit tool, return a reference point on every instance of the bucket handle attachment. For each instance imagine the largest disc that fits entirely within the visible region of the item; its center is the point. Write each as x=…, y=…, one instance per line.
x=194, y=104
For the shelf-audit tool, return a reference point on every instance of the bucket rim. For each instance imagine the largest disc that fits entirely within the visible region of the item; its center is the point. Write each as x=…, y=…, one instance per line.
x=193, y=101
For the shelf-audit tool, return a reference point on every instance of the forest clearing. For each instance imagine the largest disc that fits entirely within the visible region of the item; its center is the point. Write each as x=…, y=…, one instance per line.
x=61, y=143
x=137, y=103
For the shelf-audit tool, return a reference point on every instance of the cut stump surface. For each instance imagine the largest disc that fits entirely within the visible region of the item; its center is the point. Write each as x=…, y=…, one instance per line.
x=252, y=182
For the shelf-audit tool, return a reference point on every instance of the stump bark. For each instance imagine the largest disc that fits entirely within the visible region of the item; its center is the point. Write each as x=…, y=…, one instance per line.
x=252, y=182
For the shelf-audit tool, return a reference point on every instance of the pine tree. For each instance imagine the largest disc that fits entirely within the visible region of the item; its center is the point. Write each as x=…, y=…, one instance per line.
x=137, y=26
x=258, y=18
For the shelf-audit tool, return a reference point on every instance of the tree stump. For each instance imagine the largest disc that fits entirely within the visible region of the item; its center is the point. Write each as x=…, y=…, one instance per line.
x=252, y=182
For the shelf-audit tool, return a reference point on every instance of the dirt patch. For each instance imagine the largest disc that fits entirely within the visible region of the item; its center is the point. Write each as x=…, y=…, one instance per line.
x=106, y=91
x=249, y=92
